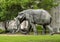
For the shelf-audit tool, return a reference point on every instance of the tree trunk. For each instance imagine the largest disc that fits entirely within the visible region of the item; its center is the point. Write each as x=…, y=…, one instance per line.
x=5, y=25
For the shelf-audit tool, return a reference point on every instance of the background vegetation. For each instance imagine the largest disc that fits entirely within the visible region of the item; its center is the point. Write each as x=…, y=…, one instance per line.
x=10, y=8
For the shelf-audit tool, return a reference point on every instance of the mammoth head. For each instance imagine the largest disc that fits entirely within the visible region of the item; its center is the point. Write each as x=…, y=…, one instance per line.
x=20, y=15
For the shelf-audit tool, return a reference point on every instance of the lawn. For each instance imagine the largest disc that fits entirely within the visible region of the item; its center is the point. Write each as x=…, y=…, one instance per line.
x=29, y=38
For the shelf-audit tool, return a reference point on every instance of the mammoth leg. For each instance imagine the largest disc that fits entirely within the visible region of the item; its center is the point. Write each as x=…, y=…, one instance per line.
x=44, y=30
x=34, y=29
x=51, y=29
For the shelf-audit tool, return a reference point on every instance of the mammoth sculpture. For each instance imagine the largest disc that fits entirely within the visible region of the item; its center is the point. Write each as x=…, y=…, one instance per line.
x=36, y=16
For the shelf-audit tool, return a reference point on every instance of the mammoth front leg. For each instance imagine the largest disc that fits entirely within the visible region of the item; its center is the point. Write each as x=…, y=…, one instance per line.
x=34, y=29
x=18, y=28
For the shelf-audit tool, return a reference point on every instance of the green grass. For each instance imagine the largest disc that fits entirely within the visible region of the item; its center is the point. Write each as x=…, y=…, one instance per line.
x=30, y=38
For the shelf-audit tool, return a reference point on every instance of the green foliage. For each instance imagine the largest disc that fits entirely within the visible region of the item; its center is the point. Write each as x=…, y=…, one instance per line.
x=47, y=4
x=10, y=8
x=37, y=4
x=39, y=27
x=2, y=31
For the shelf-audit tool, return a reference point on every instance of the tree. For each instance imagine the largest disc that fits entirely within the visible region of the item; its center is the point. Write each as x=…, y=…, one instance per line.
x=38, y=4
